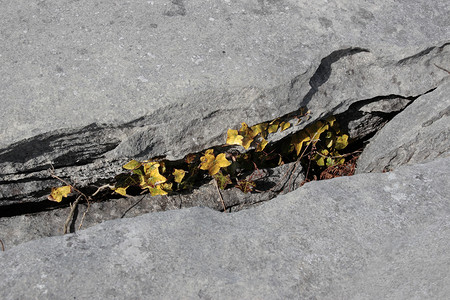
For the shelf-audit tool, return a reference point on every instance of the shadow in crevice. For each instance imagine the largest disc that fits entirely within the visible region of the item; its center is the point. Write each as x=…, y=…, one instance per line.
x=415, y=56
x=74, y=220
x=422, y=53
x=87, y=144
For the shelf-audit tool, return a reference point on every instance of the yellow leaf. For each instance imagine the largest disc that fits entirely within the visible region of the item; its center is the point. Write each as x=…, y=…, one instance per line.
x=220, y=162
x=247, y=134
x=273, y=126
x=134, y=164
x=160, y=189
x=162, y=167
x=247, y=142
x=329, y=142
x=285, y=125
x=262, y=145
x=316, y=129
x=58, y=193
x=331, y=120
x=154, y=191
x=150, y=166
x=298, y=139
x=122, y=191
x=207, y=160
x=260, y=128
x=213, y=164
x=167, y=187
x=233, y=137
x=324, y=152
x=245, y=130
x=151, y=177
x=179, y=174
x=156, y=178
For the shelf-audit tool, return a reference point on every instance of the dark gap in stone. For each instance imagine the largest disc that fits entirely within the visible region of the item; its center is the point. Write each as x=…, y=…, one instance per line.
x=415, y=56
x=276, y=147
x=18, y=209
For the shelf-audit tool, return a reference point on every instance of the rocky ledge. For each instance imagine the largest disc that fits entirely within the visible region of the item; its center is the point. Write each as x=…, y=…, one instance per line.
x=88, y=86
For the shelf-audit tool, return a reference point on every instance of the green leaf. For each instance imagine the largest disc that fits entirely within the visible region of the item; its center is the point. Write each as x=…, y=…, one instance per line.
x=320, y=158
x=246, y=186
x=330, y=162
x=341, y=142
x=222, y=180
x=320, y=161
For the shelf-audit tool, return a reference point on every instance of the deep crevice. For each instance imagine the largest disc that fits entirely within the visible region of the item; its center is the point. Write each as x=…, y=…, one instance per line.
x=321, y=75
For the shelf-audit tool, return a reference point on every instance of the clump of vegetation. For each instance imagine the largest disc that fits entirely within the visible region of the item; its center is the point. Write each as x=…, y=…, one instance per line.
x=318, y=143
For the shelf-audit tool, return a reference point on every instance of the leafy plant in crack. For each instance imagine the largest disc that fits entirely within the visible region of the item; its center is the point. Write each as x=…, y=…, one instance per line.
x=319, y=143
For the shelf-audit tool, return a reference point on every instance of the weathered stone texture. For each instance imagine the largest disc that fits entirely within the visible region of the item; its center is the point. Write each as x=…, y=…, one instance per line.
x=92, y=85
x=367, y=236
x=421, y=132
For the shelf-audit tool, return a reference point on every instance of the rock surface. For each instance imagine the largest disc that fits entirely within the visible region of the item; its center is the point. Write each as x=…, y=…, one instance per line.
x=420, y=132
x=170, y=77
x=18, y=229
x=86, y=86
x=369, y=236
x=123, y=61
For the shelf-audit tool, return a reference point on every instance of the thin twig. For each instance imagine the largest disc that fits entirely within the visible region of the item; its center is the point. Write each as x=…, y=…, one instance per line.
x=128, y=209
x=221, y=198
x=73, y=206
x=442, y=69
x=3, y=246
x=339, y=156
x=74, y=188
x=307, y=170
x=102, y=188
x=85, y=212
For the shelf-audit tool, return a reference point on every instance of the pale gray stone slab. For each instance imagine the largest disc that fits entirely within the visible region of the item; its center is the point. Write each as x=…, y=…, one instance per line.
x=70, y=64
x=419, y=133
x=369, y=236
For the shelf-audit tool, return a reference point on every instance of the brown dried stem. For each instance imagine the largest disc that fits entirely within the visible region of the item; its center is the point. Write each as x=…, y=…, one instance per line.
x=220, y=194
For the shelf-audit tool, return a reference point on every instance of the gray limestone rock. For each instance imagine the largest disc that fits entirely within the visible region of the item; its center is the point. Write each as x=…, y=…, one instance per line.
x=419, y=133
x=369, y=236
x=92, y=85
x=86, y=86
x=67, y=65
x=21, y=228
